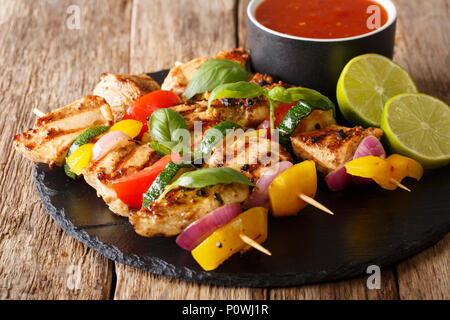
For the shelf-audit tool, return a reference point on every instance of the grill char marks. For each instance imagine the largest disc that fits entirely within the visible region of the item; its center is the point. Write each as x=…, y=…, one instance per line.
x=50, y=138
x=117, y=164
x=332, y=146
x=182, y=206
x=121, y=90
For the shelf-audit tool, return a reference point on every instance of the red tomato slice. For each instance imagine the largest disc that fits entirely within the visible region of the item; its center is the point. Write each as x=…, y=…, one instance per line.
x=279, y=114
x=143, y=108
x=130, y=189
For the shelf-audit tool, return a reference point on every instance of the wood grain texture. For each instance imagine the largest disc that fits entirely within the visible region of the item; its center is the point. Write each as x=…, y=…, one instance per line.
x=354, y=289
x=427, y=275
x=185, y=32
x=422, y=46
x=45, y=64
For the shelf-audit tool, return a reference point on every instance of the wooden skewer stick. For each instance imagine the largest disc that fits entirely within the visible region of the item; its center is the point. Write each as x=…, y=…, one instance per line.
x=38, y=112
x=398, y=184
x=314, y=203
x=254, y=244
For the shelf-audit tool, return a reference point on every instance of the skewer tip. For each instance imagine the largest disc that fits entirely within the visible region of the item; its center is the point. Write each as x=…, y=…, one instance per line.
x=254, y=244
x=398, y=184
x=38, y=112
x=315, y=203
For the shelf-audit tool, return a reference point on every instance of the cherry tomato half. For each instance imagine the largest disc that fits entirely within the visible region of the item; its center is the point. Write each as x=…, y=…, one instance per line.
x=279, y=114
x=143, y=108
x=130, y=189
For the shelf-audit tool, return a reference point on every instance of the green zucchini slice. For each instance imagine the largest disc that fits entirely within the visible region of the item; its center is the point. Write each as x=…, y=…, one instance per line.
x=85, y=137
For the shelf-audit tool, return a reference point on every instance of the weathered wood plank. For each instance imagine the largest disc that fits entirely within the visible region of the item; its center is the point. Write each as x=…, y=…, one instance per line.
x=354, y=289
x=162, y=33
x=422, y=47
x=427, y=275
x=137, y=284
x=422, y=44
x=45, y=64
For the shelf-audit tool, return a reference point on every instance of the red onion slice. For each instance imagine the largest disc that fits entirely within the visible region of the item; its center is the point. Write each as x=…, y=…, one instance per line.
x=370, y=146
x=109, y=142
x=199, y=230
x=258, y=198
x=340, y=179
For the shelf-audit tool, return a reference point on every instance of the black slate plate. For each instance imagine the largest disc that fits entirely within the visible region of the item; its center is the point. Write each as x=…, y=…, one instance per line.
x=371, y=226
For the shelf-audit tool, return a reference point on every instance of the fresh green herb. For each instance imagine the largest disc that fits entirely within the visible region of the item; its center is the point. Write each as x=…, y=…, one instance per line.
x=163, y=148
x=208, y=177
x=213, y=136
x=169, y=131
x=85, y=137
x=213, y=73
x=238, y=90
x=251, y=90
x=312, y=97
x=163, y=124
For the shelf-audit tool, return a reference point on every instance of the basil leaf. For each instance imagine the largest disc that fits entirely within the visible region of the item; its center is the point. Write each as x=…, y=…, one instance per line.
x=213, y=73
x=164, y=124
x=163, y=148
x=238, y=90
x=313, y=97
x=208, y=177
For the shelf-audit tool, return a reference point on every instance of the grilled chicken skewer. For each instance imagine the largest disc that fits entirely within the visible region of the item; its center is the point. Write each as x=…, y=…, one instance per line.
x=180, y=207
x=331, y=146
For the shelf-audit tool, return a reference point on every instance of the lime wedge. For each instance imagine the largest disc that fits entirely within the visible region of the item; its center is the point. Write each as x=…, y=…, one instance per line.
x=418, y=126
x=366, y=83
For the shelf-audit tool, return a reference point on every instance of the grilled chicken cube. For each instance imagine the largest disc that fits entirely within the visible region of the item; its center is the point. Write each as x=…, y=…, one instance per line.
x=180, y=75
x=51, y=136
x=250, y=155
x=122, y=90
x=332, y=146
x=116, y=164
x=317, y=120
x=182, y=206
x=246, y=112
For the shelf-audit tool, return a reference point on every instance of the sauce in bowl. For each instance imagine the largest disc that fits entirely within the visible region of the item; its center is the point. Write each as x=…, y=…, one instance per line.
x=321, y=19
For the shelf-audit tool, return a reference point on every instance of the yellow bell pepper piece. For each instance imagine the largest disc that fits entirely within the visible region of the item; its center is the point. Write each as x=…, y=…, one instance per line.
x=129, y=126
x=404, y=167
x=284, y=191
x=226, y=241
x=385, y=171
x=371, y=167
x=80, y=158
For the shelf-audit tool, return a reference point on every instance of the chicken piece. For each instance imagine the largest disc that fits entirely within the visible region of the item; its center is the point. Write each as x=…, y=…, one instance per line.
x=238, y=55
x=317, y=120
x=116, y=164
x=182, y=206
x=180, y=75
x=51, y=136
x=248, y=154
x=246, y=112
x=122, y=90
x=332, y=146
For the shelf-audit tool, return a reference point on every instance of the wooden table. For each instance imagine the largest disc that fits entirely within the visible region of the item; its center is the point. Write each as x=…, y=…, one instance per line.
x=46, y=63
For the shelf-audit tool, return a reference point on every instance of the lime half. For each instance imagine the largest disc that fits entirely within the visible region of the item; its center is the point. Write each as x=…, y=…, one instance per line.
x=418, y=126
x=366, y=83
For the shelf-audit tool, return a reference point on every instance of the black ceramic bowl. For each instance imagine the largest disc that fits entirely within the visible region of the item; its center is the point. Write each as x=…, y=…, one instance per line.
x=314, y=63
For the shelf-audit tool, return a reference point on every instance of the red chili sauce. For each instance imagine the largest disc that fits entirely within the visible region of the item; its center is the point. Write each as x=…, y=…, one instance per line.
x=321, y=19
